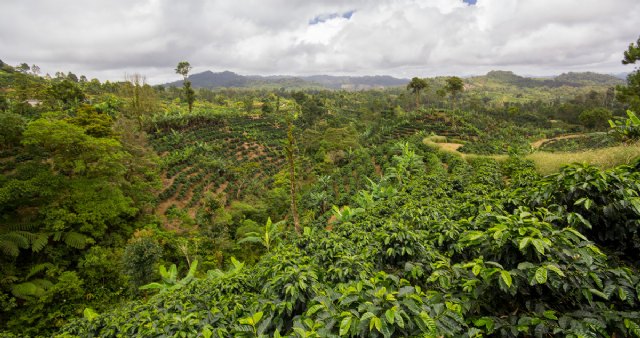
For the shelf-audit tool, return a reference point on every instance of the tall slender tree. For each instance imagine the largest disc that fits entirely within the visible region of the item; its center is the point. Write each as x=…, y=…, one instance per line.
x=183, y=69
x=454, y=86
x=291, y=111
x=142, y=100
x=416, y=86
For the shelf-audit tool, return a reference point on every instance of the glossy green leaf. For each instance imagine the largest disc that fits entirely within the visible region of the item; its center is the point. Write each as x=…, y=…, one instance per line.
x=541, y=275
x=506, y=278
x=345, y=325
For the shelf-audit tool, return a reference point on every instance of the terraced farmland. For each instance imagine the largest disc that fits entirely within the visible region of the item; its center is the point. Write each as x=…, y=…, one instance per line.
x=225, y=157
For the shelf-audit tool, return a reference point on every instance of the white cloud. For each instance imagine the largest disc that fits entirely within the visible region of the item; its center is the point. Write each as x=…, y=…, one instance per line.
x=106, y=38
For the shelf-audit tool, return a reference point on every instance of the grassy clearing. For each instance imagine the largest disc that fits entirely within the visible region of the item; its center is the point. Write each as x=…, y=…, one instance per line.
x=435, y=139
x=548, y=163
x=453, y=147
x=444, y=143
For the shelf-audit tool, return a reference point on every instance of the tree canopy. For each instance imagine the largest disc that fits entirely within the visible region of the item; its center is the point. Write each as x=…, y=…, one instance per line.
x=630, y=93
x=454, y=85
x=416, y=86
x=183, y=69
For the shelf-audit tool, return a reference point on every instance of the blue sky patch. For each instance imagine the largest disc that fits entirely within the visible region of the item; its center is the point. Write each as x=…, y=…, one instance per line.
x=328, y=16
x=470, y=2
x=348, y=14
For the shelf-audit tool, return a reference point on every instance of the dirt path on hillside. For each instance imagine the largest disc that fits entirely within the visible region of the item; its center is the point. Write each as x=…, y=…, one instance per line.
x=537, y=144
x=453, y=147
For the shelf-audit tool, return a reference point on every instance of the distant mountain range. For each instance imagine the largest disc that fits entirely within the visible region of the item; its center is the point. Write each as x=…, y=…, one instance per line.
x=212, y=80
x=227, y=79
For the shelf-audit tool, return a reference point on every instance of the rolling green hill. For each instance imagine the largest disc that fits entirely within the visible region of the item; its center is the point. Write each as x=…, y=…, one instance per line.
x=229, y=79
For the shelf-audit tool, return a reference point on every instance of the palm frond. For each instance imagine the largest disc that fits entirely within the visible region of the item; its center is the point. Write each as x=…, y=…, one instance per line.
x=11, y=242
x=251, y=239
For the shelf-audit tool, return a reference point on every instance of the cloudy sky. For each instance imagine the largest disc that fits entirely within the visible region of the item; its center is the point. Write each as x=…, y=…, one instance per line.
x=405, y=38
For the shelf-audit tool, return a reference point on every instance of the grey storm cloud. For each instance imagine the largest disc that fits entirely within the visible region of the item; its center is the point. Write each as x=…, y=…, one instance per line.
x=108, y=38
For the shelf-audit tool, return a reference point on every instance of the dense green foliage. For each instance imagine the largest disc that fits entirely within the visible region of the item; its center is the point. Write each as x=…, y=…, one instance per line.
x=74, y=184
x=131, y=210
x=420, y=252
x=579, y=142
x=626, y=129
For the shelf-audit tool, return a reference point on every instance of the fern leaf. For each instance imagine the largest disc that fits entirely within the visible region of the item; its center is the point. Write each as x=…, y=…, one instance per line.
x=20, y=238
x=57, y=235
x=76, y=240
x=28, y=290
x=39, y=242
x=12, y=242
x=38, y=268
x=25, y=227
x=9, y=248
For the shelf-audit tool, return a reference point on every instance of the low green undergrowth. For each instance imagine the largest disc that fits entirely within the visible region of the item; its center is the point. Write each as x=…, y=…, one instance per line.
x=469, y=249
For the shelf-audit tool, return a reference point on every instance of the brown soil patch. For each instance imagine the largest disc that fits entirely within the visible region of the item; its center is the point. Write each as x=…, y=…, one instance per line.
x=252, y=150
x=330, y=222
x=162, y=207
x=220, y=190
x=8, y=159
x=376, y=167
x=167, y=182
x=222, y=187
x=193, y=174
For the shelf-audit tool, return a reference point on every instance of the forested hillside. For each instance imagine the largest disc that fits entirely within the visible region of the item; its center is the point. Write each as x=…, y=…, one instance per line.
x=227, y=79
x=443, y=207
